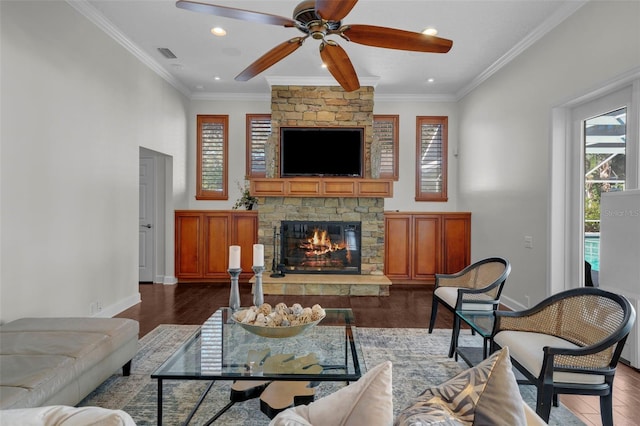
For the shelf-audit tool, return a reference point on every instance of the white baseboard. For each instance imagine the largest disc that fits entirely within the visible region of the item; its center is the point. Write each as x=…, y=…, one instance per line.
x=512, y=304
x=122, y=305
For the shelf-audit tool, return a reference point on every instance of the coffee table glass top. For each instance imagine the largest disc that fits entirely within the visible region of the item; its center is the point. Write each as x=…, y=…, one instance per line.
x=223, y=350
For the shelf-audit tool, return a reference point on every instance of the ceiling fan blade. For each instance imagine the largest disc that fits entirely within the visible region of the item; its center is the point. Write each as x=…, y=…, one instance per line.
x=230, y=12
x=333, y=10
x=392, y=38
x=276, y=54
x=339, y=65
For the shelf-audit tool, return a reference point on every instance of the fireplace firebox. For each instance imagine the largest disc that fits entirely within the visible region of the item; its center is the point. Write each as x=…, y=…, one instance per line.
x=320, y=247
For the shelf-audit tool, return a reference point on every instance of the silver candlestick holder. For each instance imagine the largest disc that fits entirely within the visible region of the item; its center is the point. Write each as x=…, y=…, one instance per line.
x=234, y=294
x=258, y=296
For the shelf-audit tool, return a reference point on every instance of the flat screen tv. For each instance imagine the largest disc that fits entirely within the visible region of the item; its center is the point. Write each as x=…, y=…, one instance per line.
x=321, y=151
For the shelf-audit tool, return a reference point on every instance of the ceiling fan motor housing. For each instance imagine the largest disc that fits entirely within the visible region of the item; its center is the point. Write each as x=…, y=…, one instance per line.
x=311, y=23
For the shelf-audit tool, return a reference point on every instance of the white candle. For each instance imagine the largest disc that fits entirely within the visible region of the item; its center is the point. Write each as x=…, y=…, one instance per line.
x=258, y=255
x=234, y=257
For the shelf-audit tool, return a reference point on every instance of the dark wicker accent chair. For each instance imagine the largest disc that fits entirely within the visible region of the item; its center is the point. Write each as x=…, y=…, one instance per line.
x=476, y=288
x=569, y=343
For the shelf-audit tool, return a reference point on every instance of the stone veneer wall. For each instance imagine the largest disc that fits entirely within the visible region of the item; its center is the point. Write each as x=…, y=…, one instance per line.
x=330, y=107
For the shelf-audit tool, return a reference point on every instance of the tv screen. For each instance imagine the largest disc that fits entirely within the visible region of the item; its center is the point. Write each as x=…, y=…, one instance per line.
x=321, y=151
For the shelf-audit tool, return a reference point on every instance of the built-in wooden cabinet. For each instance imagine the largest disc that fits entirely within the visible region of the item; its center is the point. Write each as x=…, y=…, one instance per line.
x=202, y=240
x=420, y=245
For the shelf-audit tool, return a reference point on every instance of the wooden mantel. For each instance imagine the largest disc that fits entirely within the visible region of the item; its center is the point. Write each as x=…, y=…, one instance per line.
x=321, y=187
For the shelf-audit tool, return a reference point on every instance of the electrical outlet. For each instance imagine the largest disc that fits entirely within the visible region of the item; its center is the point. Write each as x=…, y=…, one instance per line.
x=93, y=308
x=98, y=306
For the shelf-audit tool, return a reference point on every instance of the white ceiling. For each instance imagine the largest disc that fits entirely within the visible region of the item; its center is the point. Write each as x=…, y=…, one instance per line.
x=486, y=35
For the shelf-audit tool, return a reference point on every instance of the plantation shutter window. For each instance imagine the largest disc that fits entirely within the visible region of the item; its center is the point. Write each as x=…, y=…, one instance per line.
x=258, y=133
x=212, y=157
x=385, y=128
x=431, y=158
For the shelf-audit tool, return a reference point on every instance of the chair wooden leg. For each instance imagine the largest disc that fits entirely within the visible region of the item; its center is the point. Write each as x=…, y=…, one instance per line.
x=434, y=312
x=454, y=335
x=606, y=409
x=544, y=401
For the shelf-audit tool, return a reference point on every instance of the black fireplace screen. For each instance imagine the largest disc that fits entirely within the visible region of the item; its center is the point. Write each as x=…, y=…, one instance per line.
x=320, y=247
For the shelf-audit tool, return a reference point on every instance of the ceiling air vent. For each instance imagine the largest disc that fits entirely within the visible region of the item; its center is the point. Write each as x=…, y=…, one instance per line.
x=167, y=53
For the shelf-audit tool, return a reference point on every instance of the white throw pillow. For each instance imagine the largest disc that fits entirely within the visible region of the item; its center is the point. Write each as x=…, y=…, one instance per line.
x=61, y=415
x=369, y=401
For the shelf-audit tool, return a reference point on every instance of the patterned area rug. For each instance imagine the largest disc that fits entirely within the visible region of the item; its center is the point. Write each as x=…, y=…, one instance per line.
x=419, y=360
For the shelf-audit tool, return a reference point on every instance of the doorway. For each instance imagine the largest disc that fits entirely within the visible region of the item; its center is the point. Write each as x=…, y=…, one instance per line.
x=604, y=139
x=155, y=195
x=588, y=156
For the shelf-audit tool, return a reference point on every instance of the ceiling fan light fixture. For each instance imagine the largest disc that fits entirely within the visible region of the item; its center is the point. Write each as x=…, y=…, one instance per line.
x=430, y=31
x=218, y=31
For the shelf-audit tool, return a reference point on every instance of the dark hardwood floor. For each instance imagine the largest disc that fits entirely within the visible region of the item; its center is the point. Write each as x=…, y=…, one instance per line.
x=407, y=306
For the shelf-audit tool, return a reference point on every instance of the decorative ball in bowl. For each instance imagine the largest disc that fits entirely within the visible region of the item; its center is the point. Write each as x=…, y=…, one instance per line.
x=280, y=321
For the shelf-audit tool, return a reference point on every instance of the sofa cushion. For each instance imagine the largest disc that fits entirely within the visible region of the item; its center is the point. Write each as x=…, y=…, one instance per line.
x=526, y=348
x=485, y=394
x=368, y=401
x=59, y=415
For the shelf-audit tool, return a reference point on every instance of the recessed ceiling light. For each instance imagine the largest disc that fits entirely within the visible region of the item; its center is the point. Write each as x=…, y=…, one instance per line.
x=199, y=87
x=216, y=78
x=217, y=31
x=430, y=31
x=431, y=80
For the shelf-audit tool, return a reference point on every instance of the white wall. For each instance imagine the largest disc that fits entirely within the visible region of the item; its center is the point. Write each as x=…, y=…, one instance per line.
x=76, y=107
x=505, y=135
x=404, y=190
x=237, y=111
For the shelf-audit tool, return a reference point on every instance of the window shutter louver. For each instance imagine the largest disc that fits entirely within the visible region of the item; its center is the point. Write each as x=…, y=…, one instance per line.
x=431, y=161
x=385, y=128
x=212, y=161
x=258, y=133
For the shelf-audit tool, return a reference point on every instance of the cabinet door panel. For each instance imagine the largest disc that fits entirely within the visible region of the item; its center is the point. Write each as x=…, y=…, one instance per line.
x=426, y=260
x=397, y=262
x=245, y=234
x=188, y=245
x=217, y=246
x=456, y=243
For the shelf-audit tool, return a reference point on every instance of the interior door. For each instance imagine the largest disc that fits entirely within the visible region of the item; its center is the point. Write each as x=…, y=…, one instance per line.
x=602, y=126
x=146, y=220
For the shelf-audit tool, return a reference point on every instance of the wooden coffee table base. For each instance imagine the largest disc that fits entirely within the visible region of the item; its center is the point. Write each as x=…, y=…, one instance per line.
x=279, y=396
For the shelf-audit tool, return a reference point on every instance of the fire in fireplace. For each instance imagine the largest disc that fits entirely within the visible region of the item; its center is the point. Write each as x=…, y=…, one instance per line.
x=320, y=247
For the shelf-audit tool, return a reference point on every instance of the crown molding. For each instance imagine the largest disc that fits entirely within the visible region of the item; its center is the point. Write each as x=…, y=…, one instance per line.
x=98, y=19
x=316, y=81
x=543, y=29
x=224, y=96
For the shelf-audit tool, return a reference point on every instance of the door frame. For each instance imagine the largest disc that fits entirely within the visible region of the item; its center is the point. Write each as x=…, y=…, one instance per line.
x=163, y=261
x=565, y=227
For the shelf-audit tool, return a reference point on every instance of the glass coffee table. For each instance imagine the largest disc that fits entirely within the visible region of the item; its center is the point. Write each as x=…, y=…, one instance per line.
x=223, y=350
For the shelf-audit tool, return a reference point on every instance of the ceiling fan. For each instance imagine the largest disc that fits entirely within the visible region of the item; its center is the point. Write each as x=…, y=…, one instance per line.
x=318, y=19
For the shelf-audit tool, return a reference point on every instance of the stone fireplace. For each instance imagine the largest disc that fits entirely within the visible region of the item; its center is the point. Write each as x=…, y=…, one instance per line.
x=300, y=106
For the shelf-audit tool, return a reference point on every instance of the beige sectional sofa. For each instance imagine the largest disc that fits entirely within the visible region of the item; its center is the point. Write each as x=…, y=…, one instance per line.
x=59, y=361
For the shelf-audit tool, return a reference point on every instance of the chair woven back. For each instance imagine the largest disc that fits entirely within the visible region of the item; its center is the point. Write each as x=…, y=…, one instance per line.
x=583, y=319
x=485, y=274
